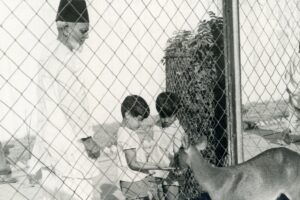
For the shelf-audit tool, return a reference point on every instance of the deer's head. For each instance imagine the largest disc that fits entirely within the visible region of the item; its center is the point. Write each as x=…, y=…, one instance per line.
x=186, y=153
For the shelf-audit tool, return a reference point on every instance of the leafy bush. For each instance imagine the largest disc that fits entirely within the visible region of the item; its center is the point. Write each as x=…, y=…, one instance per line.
x=195, y=70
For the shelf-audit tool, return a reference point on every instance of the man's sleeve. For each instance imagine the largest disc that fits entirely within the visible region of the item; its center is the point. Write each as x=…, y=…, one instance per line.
x=57, y=135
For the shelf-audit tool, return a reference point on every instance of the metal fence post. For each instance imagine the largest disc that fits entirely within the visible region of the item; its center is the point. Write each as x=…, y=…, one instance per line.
x=233, y=72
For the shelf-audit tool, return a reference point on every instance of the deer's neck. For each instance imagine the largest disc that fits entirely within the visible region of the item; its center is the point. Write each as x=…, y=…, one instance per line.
x=209, y=177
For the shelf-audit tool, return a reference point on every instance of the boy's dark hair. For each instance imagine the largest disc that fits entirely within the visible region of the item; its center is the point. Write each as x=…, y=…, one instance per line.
x=136, y=106
x=167, y=104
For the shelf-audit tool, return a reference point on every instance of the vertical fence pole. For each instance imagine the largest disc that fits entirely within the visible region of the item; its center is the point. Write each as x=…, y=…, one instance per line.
x=233, y=83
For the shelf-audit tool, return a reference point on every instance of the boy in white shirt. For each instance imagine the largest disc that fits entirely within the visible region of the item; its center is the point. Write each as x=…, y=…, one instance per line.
x=133, y=169
x=167, y=136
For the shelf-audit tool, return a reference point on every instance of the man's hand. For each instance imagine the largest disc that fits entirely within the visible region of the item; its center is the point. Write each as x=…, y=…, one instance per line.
x=91, y=147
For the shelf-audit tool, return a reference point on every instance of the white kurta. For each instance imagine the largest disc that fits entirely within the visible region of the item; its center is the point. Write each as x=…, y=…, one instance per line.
x=63, y=117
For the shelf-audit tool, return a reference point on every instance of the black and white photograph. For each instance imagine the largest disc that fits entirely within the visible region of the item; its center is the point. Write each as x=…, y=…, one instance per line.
x=150, y=100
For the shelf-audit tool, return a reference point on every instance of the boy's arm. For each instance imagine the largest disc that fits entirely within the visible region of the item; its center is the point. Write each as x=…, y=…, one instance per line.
x=178, y=139
x=135, y=165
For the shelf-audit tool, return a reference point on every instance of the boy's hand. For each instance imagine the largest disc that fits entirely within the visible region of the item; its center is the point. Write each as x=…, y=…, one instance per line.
x=178, y=172
x=91, y=147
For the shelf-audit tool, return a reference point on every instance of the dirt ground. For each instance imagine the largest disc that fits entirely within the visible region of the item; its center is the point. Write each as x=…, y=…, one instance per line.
x=258, y=140
x=254, y=142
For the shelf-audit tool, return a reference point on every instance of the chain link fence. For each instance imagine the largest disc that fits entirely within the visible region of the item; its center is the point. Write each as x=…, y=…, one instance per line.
x=123, y=55
x=269, y=37
x=146, y=47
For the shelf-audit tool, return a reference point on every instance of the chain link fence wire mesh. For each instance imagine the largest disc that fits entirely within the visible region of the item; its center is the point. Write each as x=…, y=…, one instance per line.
x=123, y=55
x=269, y=37
x=195, y=70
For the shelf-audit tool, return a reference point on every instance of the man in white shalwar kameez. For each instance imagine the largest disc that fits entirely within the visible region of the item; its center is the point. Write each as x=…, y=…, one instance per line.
x=64, y=151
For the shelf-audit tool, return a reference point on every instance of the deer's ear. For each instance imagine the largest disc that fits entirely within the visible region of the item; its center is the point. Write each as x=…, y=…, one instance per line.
x=202, y=143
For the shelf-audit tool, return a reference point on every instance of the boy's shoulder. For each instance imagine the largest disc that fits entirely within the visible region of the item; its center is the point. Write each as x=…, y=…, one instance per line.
x=176, y=122
x=157, y=126
x=175, y=127
x=124, y=131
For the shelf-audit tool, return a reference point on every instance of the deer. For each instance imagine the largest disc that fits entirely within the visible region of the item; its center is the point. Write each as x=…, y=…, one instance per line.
x=271, y=175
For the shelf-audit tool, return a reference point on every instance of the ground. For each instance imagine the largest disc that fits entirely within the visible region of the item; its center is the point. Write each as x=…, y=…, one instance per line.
x=254, y=142
x=22, y=190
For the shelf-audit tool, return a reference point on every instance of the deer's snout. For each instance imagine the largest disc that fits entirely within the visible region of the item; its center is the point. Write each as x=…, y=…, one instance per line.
x=182, y=159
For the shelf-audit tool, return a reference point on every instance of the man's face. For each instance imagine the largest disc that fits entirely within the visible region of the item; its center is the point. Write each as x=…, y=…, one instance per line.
x=78, y=33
